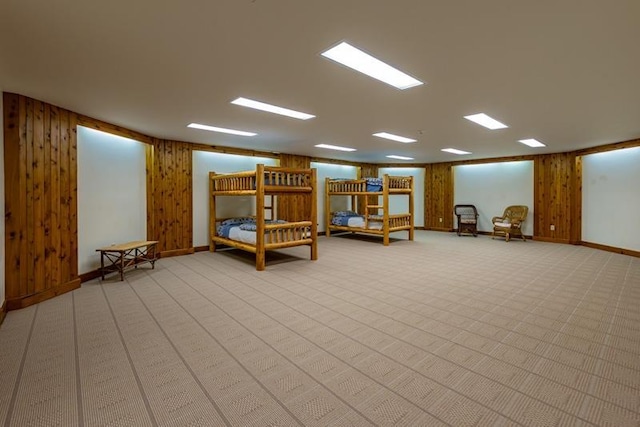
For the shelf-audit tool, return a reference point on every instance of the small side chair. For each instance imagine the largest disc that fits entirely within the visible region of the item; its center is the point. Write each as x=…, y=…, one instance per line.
x=467, y=219
x=510, y=223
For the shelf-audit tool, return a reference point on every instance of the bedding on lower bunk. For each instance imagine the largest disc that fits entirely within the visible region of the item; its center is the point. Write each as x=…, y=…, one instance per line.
x=353, y=219
x=242, y=229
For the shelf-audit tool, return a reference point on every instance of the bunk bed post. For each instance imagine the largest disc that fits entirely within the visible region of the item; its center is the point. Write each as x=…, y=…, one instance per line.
x=327, y=208
x=411, y=219
x=314, y=215
x=385, y=211
x=260, y=251
x=212, y=214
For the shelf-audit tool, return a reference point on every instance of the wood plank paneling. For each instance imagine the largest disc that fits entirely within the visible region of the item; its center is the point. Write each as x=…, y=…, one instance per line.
x=54, y=199
x=64, y=187
x=556, y=195
x=15, y=166
x=38, y=182
x=28, y=287
x=72, y=191
x=575, y=235
x=294, y=207
x=38, y=217
x=438, y=196
x=171, y=209
x=149, y=169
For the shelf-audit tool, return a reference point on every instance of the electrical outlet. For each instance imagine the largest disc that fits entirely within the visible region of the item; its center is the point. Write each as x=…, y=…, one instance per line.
x=440, y=219
x=552, y=227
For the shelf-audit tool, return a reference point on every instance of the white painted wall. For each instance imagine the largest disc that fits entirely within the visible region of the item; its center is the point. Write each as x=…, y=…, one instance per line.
x=205, y=162
x=338, y=203
x=112, y=198
x=611, y=198
x=2, y=252
x=400, y=204
x=491, y=187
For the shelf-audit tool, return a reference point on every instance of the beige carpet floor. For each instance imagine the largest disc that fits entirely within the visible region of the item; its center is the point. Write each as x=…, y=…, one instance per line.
x=444, y=330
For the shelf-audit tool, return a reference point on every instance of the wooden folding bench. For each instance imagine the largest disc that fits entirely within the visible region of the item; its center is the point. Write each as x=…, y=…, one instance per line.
x=126, y=255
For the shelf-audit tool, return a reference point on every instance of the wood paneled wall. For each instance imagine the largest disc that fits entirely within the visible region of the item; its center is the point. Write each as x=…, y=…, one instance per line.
x=41, y=232
x=438, y=196
x=558, y=197
x=170, y=197
x=41, y=228
x=294, y=207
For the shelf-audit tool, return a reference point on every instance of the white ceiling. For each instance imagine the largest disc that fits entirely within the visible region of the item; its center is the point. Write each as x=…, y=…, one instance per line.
x=565, y=72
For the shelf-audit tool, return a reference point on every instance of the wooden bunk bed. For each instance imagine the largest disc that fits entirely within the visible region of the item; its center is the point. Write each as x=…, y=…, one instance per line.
x=372, y=221
x=269, y=234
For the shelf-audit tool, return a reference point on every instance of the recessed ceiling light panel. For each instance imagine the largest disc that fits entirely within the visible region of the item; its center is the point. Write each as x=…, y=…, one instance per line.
x=334, y=147
x=393, y=137
x=393, y=156
x=223, y=130
x=531, y=142
x=358, y=60
x=483, y=120
x=245, y=102
x=455, y=151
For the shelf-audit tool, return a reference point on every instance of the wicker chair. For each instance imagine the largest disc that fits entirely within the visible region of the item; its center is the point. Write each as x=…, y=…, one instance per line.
x=510, y=223
x=467, y=219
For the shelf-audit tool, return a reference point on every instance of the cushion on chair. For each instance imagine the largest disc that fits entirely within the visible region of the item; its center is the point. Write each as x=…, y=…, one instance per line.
x=502, y=224
x=467, y=221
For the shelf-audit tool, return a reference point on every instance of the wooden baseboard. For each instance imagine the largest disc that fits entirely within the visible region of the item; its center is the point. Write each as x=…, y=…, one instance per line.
x=85, y=277
x=3, y=311
x=612, y=249
x=446, y=230
x=551, y=240
x=26, y=301
x=201, y=248
x=176, y=252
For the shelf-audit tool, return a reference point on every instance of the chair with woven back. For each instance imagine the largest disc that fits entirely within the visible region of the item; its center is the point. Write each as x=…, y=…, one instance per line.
x=510, y=223
x=467, y=219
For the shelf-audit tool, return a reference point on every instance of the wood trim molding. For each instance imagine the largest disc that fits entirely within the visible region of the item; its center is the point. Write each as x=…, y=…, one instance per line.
x=231, y=150
x=493, y=160
x=94, y=274
x=609, y=147
x=3, y=311
x=622, y=251
x=176, y=252
x=201, y=248
x=335, y=161
x=96, y=124
x=26, y=301
x=551, y=240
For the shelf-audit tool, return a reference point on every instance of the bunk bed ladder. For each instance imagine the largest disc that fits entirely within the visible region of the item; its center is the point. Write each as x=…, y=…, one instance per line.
x=269, y=209
x=376, y=209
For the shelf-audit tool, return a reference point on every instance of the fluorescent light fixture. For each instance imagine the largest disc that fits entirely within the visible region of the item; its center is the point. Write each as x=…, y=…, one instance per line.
x=531, y=142
x=223, y=130
x=455, y=151
x=393, y=156
x=335, y=147
x=358, y=60
x=271, y=108
x=483, y=120
x=394, y=137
